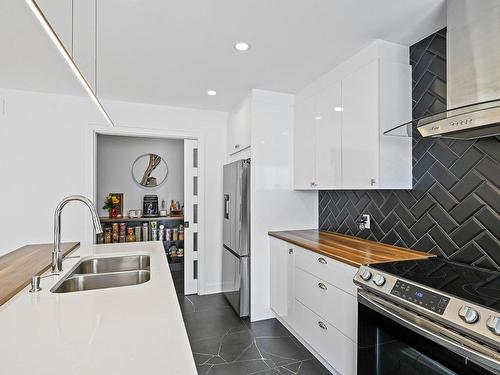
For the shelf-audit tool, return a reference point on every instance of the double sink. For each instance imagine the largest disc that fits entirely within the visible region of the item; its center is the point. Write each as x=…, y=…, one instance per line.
x=105, y=272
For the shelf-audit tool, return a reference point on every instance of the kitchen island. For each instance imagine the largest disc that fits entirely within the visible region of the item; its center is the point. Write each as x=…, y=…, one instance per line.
x=136, y=329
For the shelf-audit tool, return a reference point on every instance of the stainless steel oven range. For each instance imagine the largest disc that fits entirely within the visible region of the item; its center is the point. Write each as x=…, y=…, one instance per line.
x=428, y=317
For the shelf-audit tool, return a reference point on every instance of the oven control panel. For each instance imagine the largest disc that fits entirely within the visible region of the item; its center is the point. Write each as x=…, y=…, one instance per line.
x=420, y=296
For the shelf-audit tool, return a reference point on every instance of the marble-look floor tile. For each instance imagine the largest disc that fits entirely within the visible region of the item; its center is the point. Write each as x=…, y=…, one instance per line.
x=307, y=367
x=239, y=368
x=282, y=349
x=203, y=369
x=185, y=303
x=223, y=343
x=268, y=328
x=208, y=302
x=210, y=323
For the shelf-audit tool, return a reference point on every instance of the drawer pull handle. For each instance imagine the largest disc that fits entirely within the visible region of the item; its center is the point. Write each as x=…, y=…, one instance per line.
x=322, y=325
x=290, y=251
x=322, y=286
x=322, y=260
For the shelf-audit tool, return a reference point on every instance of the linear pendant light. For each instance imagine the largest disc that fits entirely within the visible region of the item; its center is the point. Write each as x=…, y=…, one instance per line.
x=67, y=57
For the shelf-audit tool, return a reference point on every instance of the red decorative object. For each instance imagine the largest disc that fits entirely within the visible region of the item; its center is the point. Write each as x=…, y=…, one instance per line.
x=113, y=213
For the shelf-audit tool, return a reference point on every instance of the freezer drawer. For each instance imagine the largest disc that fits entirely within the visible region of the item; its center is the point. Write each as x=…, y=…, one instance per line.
x=236, y=281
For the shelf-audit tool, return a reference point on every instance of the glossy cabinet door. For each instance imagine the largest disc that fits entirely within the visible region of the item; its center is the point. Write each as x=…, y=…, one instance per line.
x=282, y=279
x=360, y=128
x=305, y=144
x=239, y=124
x=329, y=138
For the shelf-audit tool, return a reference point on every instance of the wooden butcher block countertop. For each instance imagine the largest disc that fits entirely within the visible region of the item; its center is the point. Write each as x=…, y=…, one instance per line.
x=18, y=266
x=347, y=249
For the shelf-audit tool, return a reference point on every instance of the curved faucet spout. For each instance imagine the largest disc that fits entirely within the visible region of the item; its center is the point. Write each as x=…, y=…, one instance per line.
x=56, y=254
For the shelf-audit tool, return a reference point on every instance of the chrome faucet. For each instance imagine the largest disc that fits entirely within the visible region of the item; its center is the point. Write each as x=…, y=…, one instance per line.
x=57, y=257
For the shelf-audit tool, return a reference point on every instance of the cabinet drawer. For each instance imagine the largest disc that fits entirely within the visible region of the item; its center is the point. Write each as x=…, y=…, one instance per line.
x=334, y=305
x=331, y=344
x=332, y=271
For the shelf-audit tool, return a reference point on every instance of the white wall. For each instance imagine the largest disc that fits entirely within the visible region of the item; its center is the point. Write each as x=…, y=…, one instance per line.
x=115, y=157
x=274, y=203
x=41, y=161
x=44, y=156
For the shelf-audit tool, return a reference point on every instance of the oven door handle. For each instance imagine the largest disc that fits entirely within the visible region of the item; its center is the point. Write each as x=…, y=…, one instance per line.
x=486, y=358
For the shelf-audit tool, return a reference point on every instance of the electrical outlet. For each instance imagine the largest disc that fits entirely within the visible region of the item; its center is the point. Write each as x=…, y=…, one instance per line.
x=366, y=219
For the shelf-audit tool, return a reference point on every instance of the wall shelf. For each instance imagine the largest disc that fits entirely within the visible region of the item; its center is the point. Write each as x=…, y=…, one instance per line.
x=139, y=219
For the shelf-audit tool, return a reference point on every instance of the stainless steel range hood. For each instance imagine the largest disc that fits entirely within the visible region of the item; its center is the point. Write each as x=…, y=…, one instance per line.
x=473, y=75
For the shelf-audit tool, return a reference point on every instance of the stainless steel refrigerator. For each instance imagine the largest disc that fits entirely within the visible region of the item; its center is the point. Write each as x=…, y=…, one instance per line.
x=236, y=236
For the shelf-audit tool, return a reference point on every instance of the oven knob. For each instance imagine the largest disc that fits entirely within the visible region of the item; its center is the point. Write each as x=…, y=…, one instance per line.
x=379, y=280
x=366, y=275
x=493, y=324
x=468, y=314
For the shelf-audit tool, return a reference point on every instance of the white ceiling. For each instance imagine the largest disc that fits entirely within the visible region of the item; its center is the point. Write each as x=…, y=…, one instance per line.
x=28, y=59
x=171, y=52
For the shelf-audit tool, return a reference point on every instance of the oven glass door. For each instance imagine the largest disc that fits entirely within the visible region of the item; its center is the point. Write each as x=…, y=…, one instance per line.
x=386, y=347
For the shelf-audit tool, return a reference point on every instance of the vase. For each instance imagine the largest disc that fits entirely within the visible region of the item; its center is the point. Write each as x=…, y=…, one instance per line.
x=113, y=213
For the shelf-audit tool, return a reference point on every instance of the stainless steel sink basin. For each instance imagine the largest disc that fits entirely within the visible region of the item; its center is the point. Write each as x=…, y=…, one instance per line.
x=77, y=283
x=106, y=272
x=112, y=264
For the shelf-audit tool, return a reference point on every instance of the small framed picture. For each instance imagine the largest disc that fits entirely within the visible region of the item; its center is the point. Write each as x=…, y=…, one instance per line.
x=119, y=208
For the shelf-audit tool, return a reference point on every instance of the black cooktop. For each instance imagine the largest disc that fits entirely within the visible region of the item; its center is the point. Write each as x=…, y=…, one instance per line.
x=473, y=284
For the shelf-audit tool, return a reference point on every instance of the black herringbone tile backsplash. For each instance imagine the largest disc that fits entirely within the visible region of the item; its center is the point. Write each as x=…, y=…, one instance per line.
x=453, y=208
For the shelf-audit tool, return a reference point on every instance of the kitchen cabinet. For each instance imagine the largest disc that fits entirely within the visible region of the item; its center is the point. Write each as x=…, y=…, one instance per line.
x=239, y=123
x=317, y=148
x=329, y=138
x=339, y=141
x=305, y=144
x=282, y=274
x=315, y=297
x=360, y=130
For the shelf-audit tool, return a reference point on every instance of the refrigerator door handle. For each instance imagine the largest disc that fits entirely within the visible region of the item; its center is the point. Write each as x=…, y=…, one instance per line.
x=226, y=206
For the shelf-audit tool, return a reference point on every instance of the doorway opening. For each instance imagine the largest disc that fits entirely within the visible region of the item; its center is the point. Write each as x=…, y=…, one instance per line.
x=151, y=188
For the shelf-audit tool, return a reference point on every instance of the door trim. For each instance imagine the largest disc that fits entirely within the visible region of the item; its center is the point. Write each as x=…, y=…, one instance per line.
x=90, y=150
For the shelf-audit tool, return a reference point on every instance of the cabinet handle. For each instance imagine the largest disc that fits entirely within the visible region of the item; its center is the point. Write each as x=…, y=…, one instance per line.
x=322, y=260
x=322, y=325
x=372, y=182
x=322, y=286
x=236, y=146
x=312, y=184
x=290, y=251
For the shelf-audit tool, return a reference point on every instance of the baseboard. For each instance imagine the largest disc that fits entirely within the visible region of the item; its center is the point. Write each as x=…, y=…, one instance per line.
x=263, y=315
x=210, y=289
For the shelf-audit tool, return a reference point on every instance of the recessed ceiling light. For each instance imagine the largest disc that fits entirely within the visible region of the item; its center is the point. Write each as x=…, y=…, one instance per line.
x=211, y=92
x=338, y=109
x=241, y=46
x=318, y=118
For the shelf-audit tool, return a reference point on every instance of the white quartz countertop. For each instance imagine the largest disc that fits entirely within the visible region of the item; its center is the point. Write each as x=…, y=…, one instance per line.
x=135, y=329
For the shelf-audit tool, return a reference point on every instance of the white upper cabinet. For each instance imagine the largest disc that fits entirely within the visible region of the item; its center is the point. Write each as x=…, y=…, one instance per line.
x=329, y=138
x=305, y=144
x=239, y=123
x=360, y=131
x=317, y=140
x=340, y=120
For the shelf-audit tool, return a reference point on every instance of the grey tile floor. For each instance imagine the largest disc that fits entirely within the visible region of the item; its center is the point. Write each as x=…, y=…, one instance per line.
x=222, y=343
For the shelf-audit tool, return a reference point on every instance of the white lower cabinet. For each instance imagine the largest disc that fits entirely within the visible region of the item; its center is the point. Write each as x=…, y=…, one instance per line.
x=316, y=297
x=335, y=272
x=333, y=304
x=282, y=273
x=328, y=341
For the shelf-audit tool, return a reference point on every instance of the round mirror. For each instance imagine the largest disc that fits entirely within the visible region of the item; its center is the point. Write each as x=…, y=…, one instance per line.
x=149, y=170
